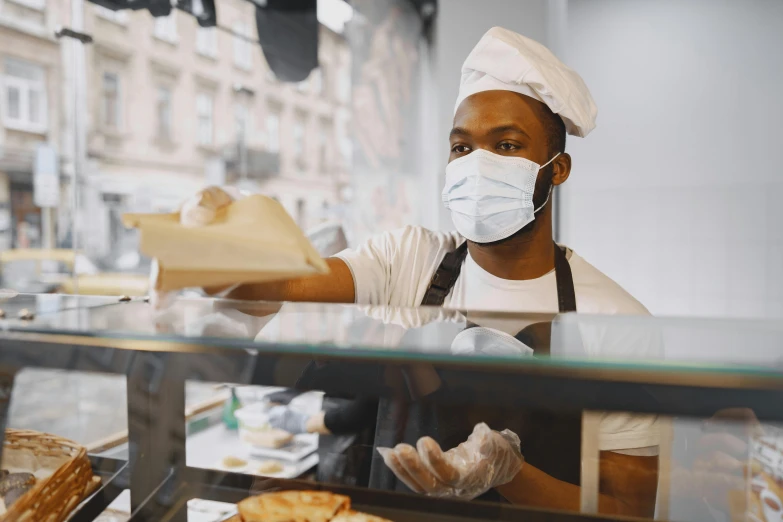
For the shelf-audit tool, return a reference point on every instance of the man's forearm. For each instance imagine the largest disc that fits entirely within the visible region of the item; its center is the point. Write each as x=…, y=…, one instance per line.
x=533, y=487
x=335, y=287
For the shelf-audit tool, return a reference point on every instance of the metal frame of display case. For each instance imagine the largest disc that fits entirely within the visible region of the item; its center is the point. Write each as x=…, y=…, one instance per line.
x=156, y=371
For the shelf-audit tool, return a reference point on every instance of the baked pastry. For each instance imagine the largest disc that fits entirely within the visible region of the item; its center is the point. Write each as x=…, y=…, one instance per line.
x=234, y=462
x=293, y=506
x=273, y=438
x=270, y=466
x=355, y=516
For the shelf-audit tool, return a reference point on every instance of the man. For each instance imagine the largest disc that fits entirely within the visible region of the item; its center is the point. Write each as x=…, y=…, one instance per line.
x=516, y=103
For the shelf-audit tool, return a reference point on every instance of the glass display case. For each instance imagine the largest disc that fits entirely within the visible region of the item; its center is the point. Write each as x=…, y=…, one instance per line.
x=616, y=416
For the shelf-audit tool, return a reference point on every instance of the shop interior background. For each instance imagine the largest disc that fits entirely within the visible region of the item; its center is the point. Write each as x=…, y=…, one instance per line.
x=675, y=195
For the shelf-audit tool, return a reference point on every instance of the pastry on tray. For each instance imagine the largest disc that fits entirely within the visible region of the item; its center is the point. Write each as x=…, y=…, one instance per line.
x=269, y=466
x=355, y=516
x=273, y=438
x=301, y=506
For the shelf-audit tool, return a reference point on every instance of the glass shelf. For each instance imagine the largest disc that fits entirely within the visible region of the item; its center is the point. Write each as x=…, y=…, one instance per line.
x=723, y=353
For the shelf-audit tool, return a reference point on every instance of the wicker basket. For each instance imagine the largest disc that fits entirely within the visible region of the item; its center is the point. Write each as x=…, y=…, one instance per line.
x=52, y=498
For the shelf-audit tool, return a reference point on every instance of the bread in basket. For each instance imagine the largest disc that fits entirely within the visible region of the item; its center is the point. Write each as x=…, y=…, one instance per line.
x=62, y=476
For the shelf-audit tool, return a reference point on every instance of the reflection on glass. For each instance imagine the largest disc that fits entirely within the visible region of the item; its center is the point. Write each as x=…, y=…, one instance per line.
x=141, y=115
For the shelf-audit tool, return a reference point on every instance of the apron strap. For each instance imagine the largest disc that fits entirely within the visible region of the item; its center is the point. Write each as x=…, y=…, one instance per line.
x=445, y=277
x=566, y=296
x=448, y=272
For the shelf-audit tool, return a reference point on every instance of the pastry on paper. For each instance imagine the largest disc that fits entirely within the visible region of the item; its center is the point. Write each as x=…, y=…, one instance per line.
x=287, y=506
x=252, y=240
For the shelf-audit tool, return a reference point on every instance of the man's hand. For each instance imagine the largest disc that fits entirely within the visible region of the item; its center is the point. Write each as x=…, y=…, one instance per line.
x=487, y=459
x=286, y=419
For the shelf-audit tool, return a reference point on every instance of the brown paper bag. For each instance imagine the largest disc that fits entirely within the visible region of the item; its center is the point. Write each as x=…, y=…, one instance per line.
x=252, y=240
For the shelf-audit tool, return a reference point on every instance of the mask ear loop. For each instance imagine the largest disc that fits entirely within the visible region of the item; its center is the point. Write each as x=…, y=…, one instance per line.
x=551, y=187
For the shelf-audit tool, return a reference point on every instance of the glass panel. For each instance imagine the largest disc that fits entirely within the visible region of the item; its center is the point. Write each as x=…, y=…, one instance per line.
x=166, y=27
x=111, y=102
x=206, y=41
x=406, y=374
x=35, y=102
x=14, y=102
x=84, y=407
x=243, y=57
x=700, y=349
x=205, y=124
x=273, y=131
x=24, y=70
x=164, y=112
x=318, y=80
x=299, y=138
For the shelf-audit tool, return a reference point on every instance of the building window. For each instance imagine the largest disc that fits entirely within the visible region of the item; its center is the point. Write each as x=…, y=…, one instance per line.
x=323, y=143
x=243, y=49
x=166, y=28
x=206, y=42
x=273, y=131
x=242, y=122
x=117, y=17
x=112, y=106
x=25, y=96
x=204, y=110
x=343, y=139
x=299, y=138
x=344, y=84
x=318, y=80
x=164, y=113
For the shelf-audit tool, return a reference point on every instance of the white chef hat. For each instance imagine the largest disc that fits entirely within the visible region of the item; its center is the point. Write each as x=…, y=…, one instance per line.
x=507, y=61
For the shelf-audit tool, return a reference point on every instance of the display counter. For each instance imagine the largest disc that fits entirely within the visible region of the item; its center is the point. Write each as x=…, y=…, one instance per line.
x=432, y=372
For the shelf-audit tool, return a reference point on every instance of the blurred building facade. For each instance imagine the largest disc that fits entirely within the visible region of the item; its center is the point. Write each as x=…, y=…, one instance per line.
x=171, y=107
x=174, y=107
x=30, y=113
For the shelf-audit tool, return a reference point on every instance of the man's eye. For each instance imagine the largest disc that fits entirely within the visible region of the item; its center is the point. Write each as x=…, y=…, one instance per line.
x=506, y=146
x=460, y=149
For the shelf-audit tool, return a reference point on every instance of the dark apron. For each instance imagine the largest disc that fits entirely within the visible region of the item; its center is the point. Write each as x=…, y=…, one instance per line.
x=550, y=441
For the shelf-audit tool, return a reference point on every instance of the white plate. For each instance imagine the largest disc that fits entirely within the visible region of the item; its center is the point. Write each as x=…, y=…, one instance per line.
x=208, y=448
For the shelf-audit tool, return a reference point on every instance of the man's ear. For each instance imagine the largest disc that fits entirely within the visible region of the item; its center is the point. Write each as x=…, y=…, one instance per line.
x=561, y=169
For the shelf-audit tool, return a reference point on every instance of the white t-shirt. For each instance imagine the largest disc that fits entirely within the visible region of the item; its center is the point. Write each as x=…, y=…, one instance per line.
x=395, y=269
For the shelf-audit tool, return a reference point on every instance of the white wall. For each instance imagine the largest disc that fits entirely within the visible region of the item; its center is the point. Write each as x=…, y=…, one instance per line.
x=678, y=194
x=459, y=26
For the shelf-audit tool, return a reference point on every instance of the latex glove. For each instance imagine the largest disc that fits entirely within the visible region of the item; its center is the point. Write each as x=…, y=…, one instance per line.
x=197, y=211
x=286, y=419
x=486, y=460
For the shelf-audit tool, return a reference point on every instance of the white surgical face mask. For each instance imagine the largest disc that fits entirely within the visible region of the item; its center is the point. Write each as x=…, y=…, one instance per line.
x=491, y=196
